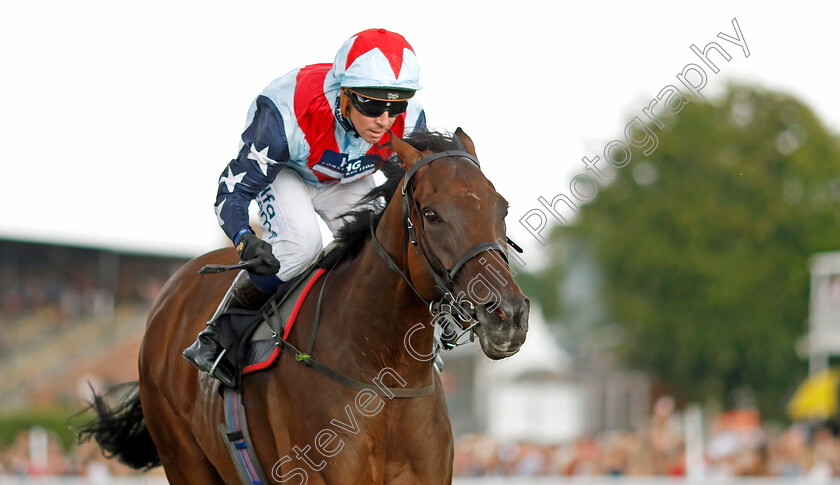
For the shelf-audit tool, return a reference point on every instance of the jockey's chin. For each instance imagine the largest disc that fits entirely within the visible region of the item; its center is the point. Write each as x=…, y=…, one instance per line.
x=373, y=137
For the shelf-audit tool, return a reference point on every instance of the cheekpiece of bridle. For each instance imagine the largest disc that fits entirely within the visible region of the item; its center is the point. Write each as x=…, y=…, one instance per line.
x=451, y=312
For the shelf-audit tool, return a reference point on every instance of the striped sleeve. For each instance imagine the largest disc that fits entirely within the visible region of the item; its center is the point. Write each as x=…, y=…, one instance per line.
x=263, y=154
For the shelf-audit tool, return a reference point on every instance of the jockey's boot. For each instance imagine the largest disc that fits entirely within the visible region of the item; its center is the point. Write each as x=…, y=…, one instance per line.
x=206, y=353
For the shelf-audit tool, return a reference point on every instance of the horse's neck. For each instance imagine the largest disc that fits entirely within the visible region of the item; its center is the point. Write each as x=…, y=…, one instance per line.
x=390, y=310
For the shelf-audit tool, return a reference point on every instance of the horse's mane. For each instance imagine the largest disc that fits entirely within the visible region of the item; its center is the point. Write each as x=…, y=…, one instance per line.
x=352, y=236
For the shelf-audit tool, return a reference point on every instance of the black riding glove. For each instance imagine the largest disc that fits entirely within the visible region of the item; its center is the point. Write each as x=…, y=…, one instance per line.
x=251, y=247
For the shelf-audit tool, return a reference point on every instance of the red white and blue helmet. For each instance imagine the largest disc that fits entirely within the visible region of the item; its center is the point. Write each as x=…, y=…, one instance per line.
x=378, y=64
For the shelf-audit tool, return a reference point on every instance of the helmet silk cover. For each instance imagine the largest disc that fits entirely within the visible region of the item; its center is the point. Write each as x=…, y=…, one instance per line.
x=377, y=58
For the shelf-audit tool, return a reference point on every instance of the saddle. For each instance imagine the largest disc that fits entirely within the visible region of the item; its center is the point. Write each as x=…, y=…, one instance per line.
x=276, y=319
x=251, y=336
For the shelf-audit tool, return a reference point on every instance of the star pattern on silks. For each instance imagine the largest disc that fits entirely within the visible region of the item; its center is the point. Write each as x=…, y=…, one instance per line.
x=230, y=180
x=262, y=158
x=218, y=210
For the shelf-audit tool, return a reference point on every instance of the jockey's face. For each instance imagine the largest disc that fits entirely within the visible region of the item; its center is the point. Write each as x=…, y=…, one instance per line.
x=370, y=129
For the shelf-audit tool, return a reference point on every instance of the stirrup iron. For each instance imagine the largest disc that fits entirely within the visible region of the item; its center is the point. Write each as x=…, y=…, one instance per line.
x=212, y=370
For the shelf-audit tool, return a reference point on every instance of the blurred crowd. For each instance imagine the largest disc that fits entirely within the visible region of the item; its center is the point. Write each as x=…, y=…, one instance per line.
x=74, y=290
x=38, y=453
x=736, y=444
x=46, y=289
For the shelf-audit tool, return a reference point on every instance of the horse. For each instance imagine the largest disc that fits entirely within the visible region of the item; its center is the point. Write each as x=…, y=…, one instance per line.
x=438, y=236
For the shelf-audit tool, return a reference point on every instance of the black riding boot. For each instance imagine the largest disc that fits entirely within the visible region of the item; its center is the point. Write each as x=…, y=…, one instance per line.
x=206, y=353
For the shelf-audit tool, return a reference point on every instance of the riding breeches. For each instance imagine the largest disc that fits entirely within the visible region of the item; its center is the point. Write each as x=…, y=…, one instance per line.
x=288, y=211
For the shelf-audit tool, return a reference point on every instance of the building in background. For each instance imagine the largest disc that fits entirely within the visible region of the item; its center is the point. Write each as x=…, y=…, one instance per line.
x=823, y=338
x=541, y=394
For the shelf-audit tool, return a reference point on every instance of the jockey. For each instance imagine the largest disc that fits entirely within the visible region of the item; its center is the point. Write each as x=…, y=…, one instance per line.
x=312, y=140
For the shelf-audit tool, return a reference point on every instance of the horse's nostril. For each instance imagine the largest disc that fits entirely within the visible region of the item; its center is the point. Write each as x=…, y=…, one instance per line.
x=520, y=316
x=500, y=313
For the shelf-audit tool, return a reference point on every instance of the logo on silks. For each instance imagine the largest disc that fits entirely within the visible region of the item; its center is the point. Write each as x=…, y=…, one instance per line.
x=331, y=164
x=358, y=168
x=337, y=165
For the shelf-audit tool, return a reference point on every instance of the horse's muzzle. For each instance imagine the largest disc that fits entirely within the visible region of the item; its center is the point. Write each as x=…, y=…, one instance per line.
x=504, y=326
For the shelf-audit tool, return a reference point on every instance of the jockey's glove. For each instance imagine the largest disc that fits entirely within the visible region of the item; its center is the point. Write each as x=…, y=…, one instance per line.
x=251, y=247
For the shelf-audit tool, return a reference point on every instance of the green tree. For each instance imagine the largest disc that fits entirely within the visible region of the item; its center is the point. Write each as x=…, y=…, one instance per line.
x=702, y=247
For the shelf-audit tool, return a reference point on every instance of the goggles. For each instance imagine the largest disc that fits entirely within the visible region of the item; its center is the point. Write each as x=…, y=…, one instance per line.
x=373, y=108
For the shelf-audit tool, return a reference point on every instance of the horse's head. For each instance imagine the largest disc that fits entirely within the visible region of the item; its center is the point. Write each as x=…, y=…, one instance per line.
x=456, y=225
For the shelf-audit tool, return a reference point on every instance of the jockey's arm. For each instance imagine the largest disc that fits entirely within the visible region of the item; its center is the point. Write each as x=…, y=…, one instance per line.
x=263, y=153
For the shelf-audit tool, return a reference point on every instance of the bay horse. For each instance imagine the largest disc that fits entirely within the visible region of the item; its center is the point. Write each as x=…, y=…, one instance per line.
x=439, y=229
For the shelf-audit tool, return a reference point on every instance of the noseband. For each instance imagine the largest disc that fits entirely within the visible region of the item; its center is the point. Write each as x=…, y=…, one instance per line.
x=444, y=278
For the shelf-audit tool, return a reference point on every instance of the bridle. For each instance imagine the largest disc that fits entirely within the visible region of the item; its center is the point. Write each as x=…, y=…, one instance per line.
x=449, y=306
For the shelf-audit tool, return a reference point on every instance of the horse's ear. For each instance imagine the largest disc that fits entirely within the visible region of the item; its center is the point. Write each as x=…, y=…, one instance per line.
x=408, y=154
x=466, y=140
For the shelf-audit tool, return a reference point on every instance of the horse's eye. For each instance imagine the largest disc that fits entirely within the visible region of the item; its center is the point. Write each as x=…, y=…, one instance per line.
x=431, y=215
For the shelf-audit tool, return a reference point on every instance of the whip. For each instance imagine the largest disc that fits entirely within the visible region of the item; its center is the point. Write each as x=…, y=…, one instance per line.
x=221, y=268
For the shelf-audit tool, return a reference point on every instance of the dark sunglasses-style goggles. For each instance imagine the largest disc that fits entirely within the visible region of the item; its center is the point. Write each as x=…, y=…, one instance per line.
x=373, y=108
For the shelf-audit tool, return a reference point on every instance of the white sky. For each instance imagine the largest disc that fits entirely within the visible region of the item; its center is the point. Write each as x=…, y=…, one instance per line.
x=116, y=118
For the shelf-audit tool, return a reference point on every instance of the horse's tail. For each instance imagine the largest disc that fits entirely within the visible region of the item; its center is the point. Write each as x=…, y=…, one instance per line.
x=120, y=430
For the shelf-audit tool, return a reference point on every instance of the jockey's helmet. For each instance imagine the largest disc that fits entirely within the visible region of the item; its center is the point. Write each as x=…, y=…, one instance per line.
x=378, y=64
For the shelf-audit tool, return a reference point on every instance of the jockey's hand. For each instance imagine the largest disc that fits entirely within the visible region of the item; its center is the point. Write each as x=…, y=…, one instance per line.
x=251, y=247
